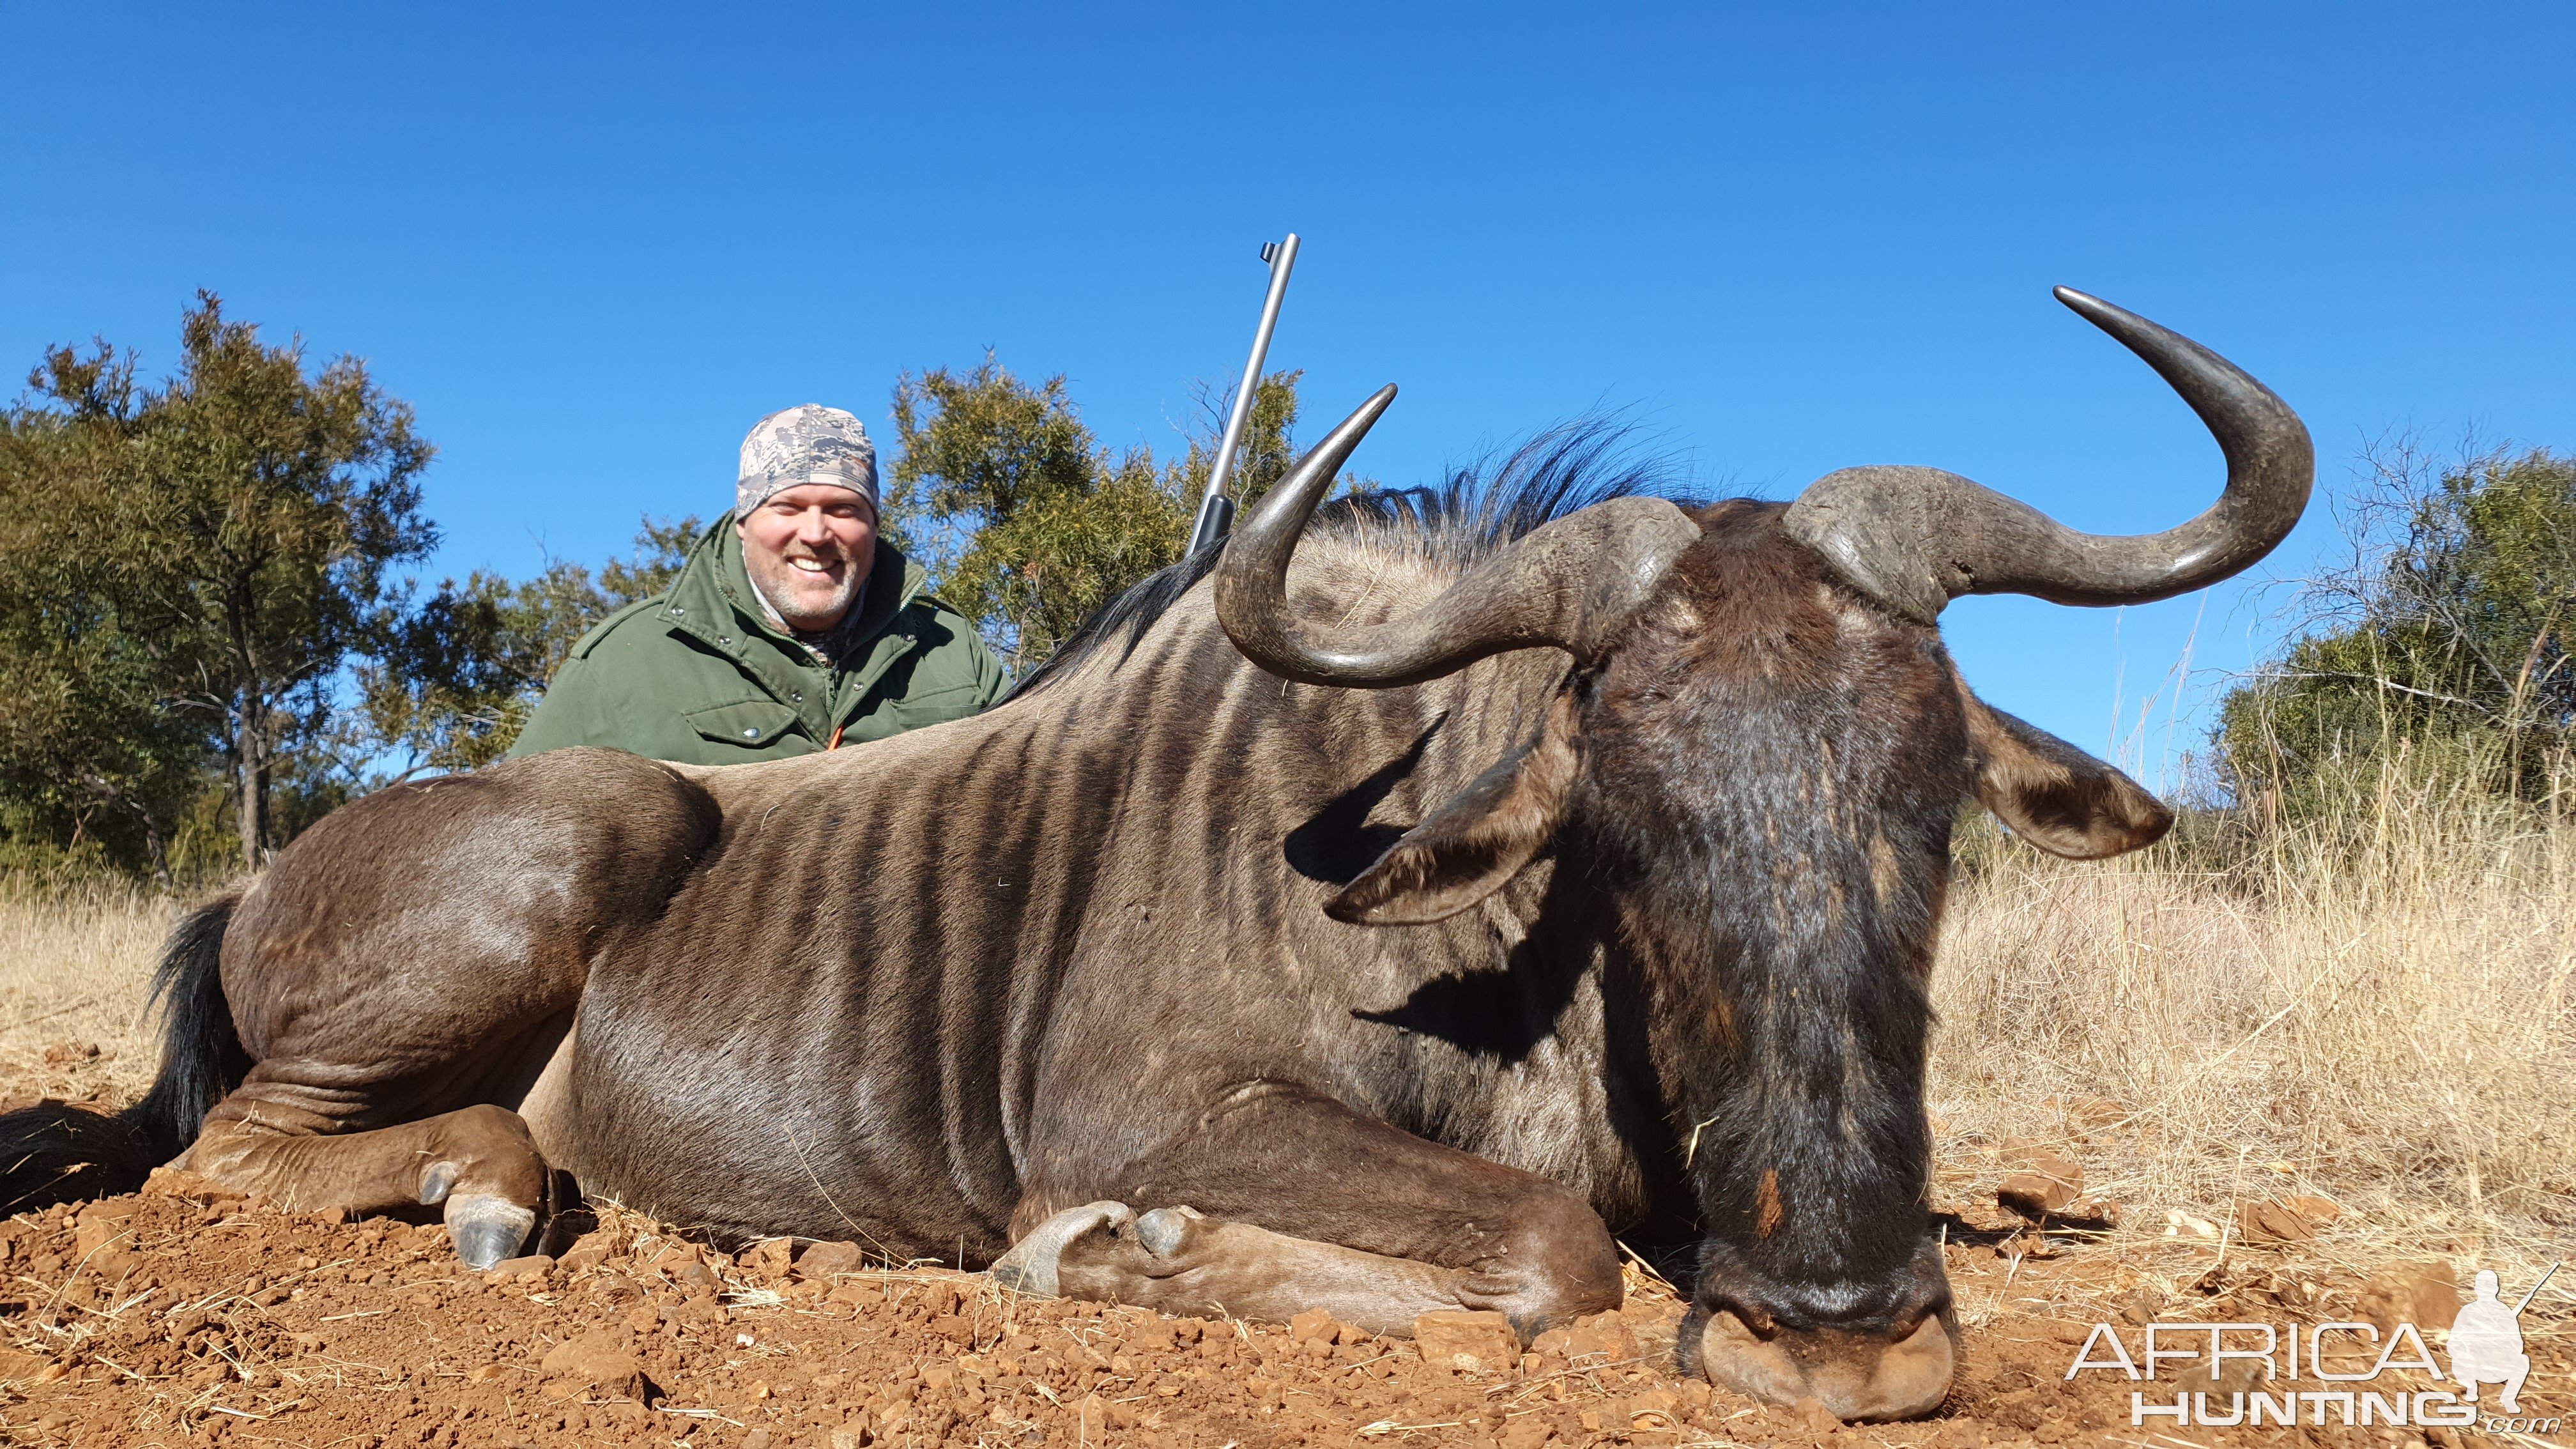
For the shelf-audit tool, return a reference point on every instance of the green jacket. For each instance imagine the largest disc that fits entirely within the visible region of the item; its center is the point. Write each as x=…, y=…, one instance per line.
x=699, y=675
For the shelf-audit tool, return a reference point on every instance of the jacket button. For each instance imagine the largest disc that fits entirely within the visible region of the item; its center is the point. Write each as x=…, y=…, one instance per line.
x=751, y=734
x=721, y=639
x=677, y=611
x=798, y=696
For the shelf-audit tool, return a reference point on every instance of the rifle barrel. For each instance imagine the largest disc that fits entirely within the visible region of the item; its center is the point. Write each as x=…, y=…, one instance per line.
x=2535, y=1289
x=1216, y=510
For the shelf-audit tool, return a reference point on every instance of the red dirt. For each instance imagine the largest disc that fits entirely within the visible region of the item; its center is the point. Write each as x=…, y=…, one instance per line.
x=193, y=1317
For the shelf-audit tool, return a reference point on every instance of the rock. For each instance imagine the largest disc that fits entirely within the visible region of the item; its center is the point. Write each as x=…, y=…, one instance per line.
x=1657, y=1411
x=102, y=1223
x=1093, y=1416
x=2270, y=1222
x=2087, y=1214
x=1470, y=1342
x=769, y=1257
x=2319, y=1212
x=823, y=1260
x=531, y=1269
x=2292, y=1291
x=601, y=1361
x=2043, y=1183
x=1313, y=1323
x=594, y=1248
x=2180, y=1224
x=2423, y=1294
x=1602, y=1338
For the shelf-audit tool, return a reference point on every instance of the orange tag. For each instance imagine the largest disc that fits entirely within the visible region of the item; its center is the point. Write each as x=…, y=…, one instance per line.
x=836, y=738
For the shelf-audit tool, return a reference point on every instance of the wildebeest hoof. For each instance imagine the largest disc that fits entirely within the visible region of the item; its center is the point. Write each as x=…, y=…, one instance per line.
x=1033, y=1264
x=1162, y=1229
x=485, y=1229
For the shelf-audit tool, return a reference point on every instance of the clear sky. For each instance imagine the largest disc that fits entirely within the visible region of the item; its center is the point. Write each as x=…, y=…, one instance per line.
x=591, y=247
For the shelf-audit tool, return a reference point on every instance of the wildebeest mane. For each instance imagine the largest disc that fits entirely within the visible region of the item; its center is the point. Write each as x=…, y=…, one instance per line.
x=1467, y=517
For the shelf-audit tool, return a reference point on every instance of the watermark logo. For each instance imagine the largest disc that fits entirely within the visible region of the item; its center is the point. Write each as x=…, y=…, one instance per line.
x=2484, y=1344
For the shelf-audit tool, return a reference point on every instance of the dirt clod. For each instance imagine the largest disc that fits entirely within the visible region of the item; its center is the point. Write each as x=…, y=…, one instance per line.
x=2271, y=1222
x=1480, y=1342
x=2043, y=1183
x=826, y=1260
x=2425, y=1294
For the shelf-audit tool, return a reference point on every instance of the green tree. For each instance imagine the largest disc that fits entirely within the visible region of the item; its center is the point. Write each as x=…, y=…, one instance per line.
x=236, y=524
x=93, y=758
x=198, y=614
x=1026, y=523
x=2449, y=624
x=461, y=673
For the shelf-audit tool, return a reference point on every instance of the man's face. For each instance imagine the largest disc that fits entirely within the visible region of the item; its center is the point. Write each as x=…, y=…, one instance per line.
x=808, y=550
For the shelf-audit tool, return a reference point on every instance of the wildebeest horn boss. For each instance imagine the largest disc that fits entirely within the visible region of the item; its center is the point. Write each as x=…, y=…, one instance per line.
x=1542, y=860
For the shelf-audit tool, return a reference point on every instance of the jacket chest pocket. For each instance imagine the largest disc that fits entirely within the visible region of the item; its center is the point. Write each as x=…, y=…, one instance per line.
x=751, y=723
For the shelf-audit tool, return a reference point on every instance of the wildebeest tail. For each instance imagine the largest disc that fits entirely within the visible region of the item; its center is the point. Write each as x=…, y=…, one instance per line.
x=56, y=1152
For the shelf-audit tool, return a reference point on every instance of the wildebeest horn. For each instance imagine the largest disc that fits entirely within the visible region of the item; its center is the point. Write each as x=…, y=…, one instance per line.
x=1570, y=584
x=1916, y=538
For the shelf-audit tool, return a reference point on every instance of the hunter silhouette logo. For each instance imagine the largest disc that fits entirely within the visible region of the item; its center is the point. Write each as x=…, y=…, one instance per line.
x=2486, y=1343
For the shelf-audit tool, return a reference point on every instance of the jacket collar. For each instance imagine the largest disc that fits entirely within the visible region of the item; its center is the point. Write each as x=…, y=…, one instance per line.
x=713, y=599
x=712, y=603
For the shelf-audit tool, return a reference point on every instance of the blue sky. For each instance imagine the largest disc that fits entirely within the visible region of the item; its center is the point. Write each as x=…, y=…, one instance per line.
x=591, y=247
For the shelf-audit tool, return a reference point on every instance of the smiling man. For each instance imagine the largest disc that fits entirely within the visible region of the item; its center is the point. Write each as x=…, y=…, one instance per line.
x=794, y=627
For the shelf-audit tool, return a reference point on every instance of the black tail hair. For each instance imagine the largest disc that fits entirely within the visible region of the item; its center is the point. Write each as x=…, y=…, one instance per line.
x=55, y=1152
x=201, y=1057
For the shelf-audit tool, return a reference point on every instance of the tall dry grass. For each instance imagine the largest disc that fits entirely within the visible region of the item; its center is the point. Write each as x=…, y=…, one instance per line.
x=75, y=967
x=2370, y=1003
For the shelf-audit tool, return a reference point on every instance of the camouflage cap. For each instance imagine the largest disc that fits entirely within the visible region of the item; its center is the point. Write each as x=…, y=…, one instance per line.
x=806, y=444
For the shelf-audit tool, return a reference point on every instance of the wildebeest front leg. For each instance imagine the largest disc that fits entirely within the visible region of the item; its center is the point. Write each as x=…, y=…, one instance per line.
x=1177, y=1260
x=480, y=1162
x=1281, y=1201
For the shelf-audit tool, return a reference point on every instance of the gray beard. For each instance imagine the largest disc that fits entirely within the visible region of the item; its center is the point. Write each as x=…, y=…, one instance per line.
x=827, y=642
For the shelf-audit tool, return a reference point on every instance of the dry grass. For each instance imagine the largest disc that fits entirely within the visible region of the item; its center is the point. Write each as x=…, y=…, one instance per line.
x=75, y=964
x=2372, y=1007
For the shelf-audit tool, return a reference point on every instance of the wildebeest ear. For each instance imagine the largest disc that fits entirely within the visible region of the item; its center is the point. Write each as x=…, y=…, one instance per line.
x=2056, y=796
x=1479, y=838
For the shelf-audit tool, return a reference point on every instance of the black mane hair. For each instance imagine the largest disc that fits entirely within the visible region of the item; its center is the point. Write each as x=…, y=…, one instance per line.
x=1469, y=516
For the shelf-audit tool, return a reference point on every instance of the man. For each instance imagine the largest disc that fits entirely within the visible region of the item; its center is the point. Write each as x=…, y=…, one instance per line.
x=793, y=628
x=2486, y=1345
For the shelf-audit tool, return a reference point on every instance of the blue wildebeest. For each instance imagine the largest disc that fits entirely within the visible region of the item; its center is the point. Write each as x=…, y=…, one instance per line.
x=1370, y=926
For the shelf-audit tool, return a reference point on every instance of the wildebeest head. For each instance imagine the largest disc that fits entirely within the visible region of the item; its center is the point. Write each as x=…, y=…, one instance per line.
x=1758, y=757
